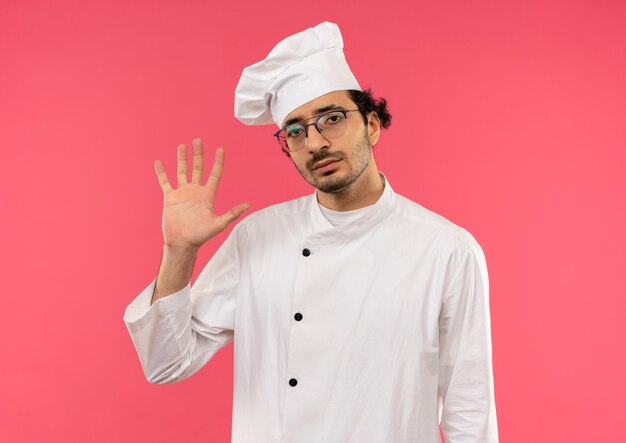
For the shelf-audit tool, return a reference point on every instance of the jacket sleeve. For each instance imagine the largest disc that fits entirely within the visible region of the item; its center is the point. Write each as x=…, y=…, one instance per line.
x=466, y=389
x=180, y=333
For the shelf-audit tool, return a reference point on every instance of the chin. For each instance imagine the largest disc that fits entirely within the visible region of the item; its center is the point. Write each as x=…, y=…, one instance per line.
x=332, y=185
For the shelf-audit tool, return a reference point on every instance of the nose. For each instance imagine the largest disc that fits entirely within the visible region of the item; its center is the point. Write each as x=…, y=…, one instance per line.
x=315, y=140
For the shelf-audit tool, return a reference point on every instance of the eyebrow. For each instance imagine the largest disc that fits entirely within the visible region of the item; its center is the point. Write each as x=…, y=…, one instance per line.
x=317, y=111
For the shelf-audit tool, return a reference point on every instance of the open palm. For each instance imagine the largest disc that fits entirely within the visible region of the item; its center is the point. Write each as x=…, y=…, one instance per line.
x=189, y=218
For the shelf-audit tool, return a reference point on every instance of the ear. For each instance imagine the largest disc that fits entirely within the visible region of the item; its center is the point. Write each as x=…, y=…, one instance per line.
x=373, y=127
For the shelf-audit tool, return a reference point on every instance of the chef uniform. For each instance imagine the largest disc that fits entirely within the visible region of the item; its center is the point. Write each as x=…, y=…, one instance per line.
x=365, y=326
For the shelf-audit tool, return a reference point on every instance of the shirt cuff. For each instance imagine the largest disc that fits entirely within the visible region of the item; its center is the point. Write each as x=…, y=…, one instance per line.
x=139, y=312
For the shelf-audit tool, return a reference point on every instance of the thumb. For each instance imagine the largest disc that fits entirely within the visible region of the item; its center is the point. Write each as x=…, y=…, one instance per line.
x=234, y=212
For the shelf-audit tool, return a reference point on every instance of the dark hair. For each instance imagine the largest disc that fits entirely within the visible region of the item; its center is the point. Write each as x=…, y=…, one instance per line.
x=367, y=103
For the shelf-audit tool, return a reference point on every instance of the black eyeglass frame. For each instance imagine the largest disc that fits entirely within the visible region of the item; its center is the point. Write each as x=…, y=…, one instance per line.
x=306, y=127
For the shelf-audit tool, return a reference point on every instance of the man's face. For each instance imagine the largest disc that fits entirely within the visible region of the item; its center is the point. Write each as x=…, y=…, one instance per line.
x=333, y=165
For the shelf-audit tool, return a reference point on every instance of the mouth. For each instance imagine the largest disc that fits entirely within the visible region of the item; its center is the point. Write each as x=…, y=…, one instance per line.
x=325, y=164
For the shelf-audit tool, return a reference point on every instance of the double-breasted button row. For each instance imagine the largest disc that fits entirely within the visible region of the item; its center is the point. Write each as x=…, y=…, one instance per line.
x=306, y=252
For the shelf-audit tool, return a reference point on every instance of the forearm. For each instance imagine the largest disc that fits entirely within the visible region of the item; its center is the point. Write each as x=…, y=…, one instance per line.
x=169, y=348
x=174, y=272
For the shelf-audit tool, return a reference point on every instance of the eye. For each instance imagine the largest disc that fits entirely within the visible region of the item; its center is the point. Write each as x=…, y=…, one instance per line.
x=294, y=131
x=333, y=118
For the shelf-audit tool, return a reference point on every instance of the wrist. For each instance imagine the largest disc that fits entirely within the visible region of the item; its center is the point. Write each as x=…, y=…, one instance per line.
x=180, y=251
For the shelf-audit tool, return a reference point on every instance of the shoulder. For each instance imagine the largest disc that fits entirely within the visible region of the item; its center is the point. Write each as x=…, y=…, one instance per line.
x=411, y=213
x=289, y=210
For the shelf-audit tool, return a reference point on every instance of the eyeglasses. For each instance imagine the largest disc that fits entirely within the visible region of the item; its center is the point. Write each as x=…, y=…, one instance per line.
x=330, y=125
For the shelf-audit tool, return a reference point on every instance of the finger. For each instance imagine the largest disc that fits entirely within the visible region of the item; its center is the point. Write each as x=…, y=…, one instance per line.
x=162, y=176
x=232, y=214
x=182, y=165
x=197, y=170
x=216, y=173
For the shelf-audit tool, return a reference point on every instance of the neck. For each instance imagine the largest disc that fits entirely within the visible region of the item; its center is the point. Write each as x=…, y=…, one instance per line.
x=364, y=191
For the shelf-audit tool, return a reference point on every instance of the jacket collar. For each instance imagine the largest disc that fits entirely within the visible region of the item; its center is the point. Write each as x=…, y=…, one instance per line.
x=325, y=234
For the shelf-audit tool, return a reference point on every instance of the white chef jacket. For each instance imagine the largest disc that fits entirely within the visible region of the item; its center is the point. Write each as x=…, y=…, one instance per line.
x=372, y=331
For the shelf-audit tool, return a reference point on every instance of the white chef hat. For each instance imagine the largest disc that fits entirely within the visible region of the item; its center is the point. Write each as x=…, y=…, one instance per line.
x=299, y=69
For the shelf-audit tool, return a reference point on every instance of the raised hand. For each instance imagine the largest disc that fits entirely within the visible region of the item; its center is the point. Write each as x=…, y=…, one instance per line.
x=189, y=219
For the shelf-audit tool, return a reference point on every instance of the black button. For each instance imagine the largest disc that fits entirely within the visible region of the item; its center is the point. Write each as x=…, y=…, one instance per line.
x=298, y=316
x=306, y=252
x=293, y=382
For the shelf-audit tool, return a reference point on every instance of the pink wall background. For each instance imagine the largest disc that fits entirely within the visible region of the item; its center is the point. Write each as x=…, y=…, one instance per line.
x=508, y=119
